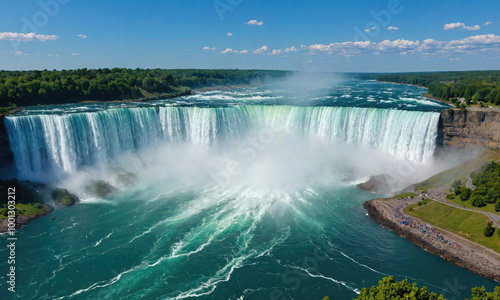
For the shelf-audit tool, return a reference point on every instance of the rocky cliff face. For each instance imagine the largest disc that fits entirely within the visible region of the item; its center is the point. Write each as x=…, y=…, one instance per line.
x=473, y=128
x=7, y=169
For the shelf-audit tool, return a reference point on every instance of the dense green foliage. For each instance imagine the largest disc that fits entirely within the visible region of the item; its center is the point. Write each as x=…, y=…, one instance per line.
x=389, y=288
x=489, y=230
x=64, y=198
x=474, y=86
x=480, y=293
x=487, y=182
x=21, y=88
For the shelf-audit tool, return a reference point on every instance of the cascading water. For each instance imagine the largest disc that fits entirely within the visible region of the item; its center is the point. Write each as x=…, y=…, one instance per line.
x=64, y=143
x=288, y=225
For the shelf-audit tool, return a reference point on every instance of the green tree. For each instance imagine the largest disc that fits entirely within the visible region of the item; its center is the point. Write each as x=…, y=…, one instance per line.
x=456, y=183
x=489, y=230
x=480, y=293
x=465, y=194
x=476, y=200
x=389, y=288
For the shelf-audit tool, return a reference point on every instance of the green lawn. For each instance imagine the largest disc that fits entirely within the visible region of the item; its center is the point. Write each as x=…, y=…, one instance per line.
x=468, y=224
x=488, y=208
x=27, y=209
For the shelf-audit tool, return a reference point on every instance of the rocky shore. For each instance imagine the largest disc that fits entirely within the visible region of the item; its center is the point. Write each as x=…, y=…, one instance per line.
x=456, y=250
x=23, y=220
x=33, y=201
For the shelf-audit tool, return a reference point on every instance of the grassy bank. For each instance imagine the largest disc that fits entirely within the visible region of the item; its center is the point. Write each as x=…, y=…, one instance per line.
x=467, y=204
x=460, y=172
x=467, y=224
x=29, y=210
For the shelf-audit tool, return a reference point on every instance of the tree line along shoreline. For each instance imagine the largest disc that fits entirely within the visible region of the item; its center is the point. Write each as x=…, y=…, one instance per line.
x=461, y=88
x=27, y=88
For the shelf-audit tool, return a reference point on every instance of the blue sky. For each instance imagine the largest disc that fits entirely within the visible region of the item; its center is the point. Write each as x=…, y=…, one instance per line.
x=337, y=36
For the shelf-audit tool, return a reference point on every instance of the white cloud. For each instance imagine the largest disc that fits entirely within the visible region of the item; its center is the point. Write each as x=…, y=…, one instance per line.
x=460, y=26
x=454, y=26
x=475, y=27
x=255, y=22
x=206, y=48
x=75, y=54
x=229, y=34
x=370, y=29
x=229, y=50
x=455, y=59
x=261, y=50
x=487, y=23
x=471, y=45
x=27, y=37
x=19, y=53
x=83, y=36
x=244, y=51
x=474, y=44
x=291, y=49
x=388, y=46
x=276, y=52
x=307, y=61
x=392, y=28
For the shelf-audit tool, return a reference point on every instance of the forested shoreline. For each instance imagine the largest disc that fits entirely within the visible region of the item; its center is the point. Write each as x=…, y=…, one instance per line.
x=473, y=86
x=24, y=88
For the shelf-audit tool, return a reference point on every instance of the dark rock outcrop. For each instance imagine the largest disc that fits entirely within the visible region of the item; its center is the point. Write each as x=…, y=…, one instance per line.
x=376, y=184
x=7, y=168
x=28, y=194
x=127, y=178
x=99, y=188
x=64, y=198
x=25, y=191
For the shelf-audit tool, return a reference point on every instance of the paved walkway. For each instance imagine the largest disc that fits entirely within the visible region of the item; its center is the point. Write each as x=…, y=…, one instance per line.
x=469, y=182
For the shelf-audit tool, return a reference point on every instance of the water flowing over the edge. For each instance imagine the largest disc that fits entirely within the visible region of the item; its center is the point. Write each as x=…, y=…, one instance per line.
x=64, y=143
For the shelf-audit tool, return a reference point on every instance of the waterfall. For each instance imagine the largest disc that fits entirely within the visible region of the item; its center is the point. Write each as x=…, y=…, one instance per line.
x=62, y=144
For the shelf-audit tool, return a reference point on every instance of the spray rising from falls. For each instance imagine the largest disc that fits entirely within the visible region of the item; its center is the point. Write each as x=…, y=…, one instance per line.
x=63, y=144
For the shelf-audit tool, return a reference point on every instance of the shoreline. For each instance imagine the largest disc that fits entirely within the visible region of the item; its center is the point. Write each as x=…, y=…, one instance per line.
x=141, y=99
x=131, y=100
x=22, y=220
x=457, y=250
x=425, y=95
x=221, y=87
